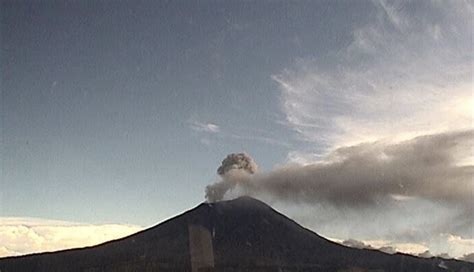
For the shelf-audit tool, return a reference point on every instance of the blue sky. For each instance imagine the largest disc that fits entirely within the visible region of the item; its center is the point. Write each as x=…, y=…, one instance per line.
x=99, y=99
x=120, y=112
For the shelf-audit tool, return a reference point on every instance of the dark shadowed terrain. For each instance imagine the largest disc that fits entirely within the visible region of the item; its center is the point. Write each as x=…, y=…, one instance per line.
x=238, y=235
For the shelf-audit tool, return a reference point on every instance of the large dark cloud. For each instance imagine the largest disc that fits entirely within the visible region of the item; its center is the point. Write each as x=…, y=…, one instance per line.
x=425, y=167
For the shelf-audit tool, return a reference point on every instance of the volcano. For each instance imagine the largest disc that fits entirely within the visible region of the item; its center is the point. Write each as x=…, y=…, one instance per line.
x=243, y=234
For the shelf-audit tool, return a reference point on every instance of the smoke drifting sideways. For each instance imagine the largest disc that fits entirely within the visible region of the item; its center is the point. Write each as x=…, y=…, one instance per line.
x=235, y=168
x=431, y=167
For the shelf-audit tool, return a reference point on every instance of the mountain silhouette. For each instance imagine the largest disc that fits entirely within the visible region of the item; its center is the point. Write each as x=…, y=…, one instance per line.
x=243, y=234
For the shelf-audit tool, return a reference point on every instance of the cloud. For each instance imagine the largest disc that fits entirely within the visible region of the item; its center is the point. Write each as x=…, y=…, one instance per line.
x=389, y=247
x=455, y=244
x=455, y=239
x=262, y=139
x=443, y=247
x=204, y=127
x=407, y=72
x=468, y=257
x=444, y=256
x=355, y=243
x=258, y=135
x=410, y=248
x=425, y=254
x=21, y=236
x=392, y=247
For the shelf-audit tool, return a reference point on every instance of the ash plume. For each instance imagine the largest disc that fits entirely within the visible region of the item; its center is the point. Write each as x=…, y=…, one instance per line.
x=237, y=161
x=431, y=167
x=426, y=167
x=235, y=168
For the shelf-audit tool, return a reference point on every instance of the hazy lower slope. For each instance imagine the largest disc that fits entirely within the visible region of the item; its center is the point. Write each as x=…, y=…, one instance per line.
x=238, y=235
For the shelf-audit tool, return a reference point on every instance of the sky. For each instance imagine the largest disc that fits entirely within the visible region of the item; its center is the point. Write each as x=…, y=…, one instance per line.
x=116, y=115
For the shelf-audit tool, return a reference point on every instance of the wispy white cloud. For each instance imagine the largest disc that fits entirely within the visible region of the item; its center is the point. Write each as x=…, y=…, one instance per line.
x=204, y=127
x=407, y=73
x=21, y=236
x=262, y=139
x=256, y=135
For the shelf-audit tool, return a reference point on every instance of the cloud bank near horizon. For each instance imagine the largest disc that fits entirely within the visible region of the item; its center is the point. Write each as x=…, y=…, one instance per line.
x=20, y=235
x=416, y=249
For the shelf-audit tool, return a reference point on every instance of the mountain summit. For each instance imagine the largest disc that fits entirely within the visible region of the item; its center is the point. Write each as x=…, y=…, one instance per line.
x=243, y=234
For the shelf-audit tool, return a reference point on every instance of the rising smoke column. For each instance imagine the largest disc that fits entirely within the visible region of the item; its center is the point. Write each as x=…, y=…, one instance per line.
x=235, y=168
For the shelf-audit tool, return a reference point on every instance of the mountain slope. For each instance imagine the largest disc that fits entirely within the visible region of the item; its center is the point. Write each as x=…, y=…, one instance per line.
x=238, y=235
